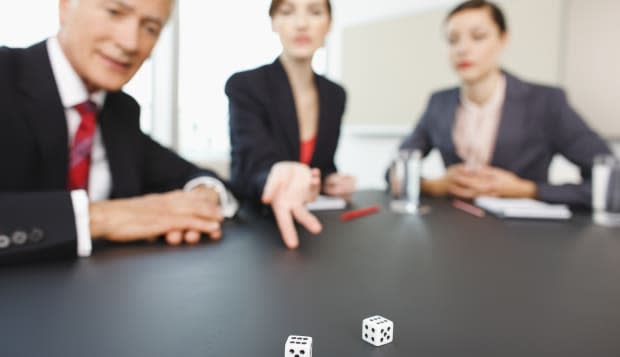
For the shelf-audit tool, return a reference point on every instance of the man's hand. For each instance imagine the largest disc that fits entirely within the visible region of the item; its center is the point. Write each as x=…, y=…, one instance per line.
x=192, y=236
x=288, y=187
x=178, y=215
x=339, y=185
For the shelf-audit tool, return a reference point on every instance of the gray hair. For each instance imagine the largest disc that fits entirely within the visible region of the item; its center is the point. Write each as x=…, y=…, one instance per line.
x=75, y=3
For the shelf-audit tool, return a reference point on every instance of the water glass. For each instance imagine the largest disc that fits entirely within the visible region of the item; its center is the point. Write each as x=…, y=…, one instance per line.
x=404, y=179
x=606, y=190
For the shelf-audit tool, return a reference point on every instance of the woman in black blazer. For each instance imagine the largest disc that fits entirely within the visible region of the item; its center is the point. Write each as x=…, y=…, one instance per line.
x=496, y=133
x=285, y=122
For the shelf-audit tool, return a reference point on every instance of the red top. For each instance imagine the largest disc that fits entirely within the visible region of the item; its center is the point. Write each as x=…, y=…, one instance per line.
x=306, y=150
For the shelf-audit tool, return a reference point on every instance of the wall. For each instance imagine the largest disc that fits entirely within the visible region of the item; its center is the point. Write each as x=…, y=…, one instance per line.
x=390, y=67
x=592, y=68
x=349, y=13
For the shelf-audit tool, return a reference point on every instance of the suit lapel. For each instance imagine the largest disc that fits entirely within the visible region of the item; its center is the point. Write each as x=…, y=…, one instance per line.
x=107, y=127
x=285, y=105
x=446, y=118
x=324, y=120
x=514, y=112
x=120, y=146
x=43, y=109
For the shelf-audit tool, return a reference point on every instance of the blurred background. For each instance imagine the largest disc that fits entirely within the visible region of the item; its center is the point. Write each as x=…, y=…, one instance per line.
x=389, y=55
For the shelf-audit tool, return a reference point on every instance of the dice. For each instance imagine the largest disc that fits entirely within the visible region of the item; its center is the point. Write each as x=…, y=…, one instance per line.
x=377, y=330
x=298, y=346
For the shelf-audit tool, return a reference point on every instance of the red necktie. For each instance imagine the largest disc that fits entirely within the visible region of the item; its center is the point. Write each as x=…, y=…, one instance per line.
x=79, y=155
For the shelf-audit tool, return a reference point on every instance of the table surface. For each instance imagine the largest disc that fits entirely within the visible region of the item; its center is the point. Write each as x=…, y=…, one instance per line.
x=454, y=285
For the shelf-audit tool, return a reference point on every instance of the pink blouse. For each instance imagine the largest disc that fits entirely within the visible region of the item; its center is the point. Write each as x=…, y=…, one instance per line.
x=475, y=129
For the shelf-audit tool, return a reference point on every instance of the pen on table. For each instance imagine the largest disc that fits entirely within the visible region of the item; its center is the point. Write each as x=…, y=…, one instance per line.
x=358, y=213
x=469, y=208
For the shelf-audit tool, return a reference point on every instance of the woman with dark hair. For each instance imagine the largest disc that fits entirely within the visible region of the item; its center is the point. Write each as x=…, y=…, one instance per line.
x=496, y=133
x=285, y=122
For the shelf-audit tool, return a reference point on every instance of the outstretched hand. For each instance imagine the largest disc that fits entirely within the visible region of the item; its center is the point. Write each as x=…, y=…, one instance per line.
x=289, y=186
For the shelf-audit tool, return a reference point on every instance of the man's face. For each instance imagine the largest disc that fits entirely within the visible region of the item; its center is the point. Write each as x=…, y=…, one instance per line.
x=106, y=41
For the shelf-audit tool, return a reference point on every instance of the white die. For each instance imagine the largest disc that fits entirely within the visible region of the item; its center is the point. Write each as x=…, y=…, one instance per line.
x=377, y=330
x=298, y=346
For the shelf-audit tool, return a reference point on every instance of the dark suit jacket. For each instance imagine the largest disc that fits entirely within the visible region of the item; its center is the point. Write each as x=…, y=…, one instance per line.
x=264, y=128
x=34, y=157
x=537, y=122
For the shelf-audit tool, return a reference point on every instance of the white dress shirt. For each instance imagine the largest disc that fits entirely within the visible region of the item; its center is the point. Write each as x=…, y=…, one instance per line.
x=73, y=92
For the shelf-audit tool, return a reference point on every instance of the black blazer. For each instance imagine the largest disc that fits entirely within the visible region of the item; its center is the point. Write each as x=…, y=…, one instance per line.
x=264, y=128
x=34, y=158
x=537, y=122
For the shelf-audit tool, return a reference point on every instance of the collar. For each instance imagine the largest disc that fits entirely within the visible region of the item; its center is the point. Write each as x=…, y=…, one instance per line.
x=70, y=86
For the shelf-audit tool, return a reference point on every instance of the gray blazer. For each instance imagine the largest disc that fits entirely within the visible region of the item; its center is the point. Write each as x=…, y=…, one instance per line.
x=537, y=122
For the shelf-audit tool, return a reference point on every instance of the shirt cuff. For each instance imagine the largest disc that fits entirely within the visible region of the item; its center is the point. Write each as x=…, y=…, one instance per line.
x=79, y=199
x=228, y=202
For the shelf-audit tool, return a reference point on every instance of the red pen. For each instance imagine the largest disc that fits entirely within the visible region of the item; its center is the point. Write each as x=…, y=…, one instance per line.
x=357, y=213
x=469, y=208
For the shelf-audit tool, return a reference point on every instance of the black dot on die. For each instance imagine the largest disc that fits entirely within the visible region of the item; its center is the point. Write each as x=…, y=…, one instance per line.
x=291, y=351
x=303, y=352
x=381, y=339
x=366, y=335
x=366, y=327
x=373, y=339
x=382, y=330
x=389, y=328
x=373, y=330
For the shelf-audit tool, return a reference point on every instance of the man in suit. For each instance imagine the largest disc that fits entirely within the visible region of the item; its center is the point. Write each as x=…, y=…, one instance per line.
x=75, y=164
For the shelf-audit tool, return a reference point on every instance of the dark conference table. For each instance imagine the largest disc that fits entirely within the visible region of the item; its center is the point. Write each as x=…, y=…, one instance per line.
x=454, y=285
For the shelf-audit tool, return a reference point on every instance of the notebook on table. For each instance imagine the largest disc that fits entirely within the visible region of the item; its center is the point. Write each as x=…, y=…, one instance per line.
x=523, y=208
x=325, y=203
